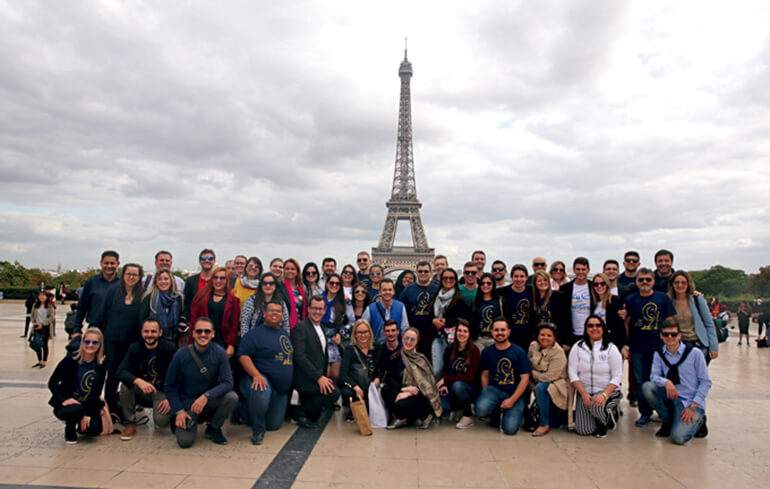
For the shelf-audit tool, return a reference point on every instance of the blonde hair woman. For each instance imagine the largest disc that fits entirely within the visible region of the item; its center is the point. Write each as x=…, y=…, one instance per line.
x=358, y=364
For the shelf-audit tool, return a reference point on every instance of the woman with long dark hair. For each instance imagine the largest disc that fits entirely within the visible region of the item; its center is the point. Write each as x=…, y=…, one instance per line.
x=360, y=299
x=253, y=313
x=295, y=291
x=542, y=298
x=310, y=279
x=41, y=318
x=246, y=285
x=164, y=303
x=215, y=302
x=121, y=327
x=334, y=317
x=595, y=369
x=485, y=308
x=446, y=308
x=404, y=280
x=459, y=384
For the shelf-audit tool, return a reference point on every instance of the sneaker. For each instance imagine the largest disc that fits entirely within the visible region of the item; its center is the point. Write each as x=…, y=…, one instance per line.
x=36, y=365
x=612, y=419
x=465, y=422
x=601, y=431
x=216, y=435
x=128, y=432
x=643, y=420
x=70, y=435
x=703, y=431
x=257, y=438
x=399, y=423
x=664, y=431
x=349, y=418
x=425, y=423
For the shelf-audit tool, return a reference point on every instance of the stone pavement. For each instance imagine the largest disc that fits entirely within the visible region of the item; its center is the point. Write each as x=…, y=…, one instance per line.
x=736, y=453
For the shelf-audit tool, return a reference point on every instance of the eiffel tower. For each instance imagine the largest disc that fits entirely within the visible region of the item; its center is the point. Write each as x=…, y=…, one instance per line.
x=403, y=204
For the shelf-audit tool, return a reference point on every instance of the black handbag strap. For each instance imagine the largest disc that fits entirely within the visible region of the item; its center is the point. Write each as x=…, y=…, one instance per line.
x=203, y=369
x=355, y=349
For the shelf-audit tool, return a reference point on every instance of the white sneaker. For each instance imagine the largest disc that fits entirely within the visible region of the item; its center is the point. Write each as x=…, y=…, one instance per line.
x=465, y=422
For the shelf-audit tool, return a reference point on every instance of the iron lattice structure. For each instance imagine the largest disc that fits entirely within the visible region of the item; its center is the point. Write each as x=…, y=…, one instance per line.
x=403, y=204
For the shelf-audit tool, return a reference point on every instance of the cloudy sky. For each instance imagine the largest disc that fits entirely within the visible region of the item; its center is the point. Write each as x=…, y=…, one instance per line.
x=559, y=128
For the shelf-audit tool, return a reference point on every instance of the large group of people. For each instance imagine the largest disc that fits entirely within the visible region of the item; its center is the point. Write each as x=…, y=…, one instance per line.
x=508, y=349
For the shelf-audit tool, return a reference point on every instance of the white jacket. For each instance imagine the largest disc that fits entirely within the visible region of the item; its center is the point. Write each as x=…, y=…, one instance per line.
x=593, y=367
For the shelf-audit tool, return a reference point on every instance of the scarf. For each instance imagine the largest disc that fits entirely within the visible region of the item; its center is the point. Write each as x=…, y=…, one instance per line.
x=166, y=312
x=293, y=319
x=419, y=373
x=249, y=283
x=443, y=298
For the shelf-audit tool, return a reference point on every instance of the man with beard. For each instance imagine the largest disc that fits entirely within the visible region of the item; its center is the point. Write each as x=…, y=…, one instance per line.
x=416, y=299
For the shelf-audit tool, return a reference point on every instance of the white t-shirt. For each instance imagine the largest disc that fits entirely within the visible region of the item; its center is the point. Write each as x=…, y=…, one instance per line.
x=614, y=291
x=321, y=336
x=601, y=312
x=580, y=308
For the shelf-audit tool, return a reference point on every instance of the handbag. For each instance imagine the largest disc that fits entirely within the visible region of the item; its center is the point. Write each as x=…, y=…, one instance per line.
x=531, y=416
x=378, y=416
x=358, y=408
x=36, y=341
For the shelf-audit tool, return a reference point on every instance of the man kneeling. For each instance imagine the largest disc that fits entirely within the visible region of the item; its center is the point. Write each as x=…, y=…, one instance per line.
x=199, y=386
x=679, y=383
x=142, y=374
x=267, y=357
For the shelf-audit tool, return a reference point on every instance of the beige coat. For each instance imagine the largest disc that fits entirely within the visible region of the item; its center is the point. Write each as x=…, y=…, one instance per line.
x=550, y=365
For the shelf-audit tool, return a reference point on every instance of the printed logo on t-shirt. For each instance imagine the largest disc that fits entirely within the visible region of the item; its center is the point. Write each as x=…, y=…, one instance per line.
x=459, y=366
x=522, y=312
x=287, y=351
x=423, y=304
x=650, y=317
x=86, y=385
x=152, y=370
x=487, y=318
x=504, y=374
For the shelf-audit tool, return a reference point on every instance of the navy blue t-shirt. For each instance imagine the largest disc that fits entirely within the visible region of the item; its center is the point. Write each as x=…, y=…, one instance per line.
x=647, y=315
x=272, y=353
x=416, y=299
x=505, y=366
x=518, y=309
x=626, y=281
x=86, y=378
x=363, y=279
x=487, y=313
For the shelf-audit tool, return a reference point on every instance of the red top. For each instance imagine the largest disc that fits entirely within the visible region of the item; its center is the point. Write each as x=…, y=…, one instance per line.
x=230, y=319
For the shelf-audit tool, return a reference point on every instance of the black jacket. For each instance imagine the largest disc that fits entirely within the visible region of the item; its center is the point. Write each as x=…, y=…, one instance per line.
x=190, y=289
x=562, y=313
x=135, y=362
x=310, y=359
x=121, y=321
x=64, y=383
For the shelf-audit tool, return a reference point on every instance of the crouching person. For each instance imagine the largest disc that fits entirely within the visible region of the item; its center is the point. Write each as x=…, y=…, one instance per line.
x=267, y=357
x=679, y=383
x=76, y=384
x=199, y=387
x=142, y=373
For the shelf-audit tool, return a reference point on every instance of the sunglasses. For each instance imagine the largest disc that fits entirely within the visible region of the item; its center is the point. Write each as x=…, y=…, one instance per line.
x=557, y=270
x=599, y=284
x=361, y=333
x=91, y=342
x=470, y=272
x=631, y=260
x=334, y=284
x=669, y=334
x=362, y=260
x=203, y=331
x=359, y=291
x=311, y=273
x=448, y=279
x=252, y=265
x=347, y=272
x=539, y=264
x=644, y=279
x=271, y=284
x=498, y=269
x=376, y=274
x=423, y=271
x=486, y=282
x=408, y=339
x=206, y=258
x=593, y=325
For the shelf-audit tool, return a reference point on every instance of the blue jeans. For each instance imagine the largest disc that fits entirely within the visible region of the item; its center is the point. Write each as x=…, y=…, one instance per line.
x=489, y=401
x=543, y=402
x=641, y=365
x=460, y=396
x=266, y=409
x=670, y=411
x=437, y=355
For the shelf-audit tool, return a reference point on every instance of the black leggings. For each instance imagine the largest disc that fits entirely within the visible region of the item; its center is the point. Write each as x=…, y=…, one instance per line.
x=42, y=354
x=114, y=353
x=72, y=414
x=412, y=408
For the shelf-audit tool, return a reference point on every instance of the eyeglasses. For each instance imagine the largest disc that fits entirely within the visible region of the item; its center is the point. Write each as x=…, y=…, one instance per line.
x=593, y=325
x=317, y=308
x=271, y=284
x=469, y=272
x=539, y=264
x=361, y=333
x=252, y=265
x=559, y=269
x=599, y=284
x=631, y=260
x=408, y=339
x=359, y=291
x=423, y=271
x=206, y=258
x=669, y=334
x=130, y=274
x=203, y=331
x=644, y=279
x=91, y=342
x=334, y=284
x=274, y=311
x=498, y=269
x=362, y=260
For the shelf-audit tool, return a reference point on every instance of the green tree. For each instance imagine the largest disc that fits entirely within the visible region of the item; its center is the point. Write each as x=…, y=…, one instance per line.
x=721, y=281
x=13, y=275
x=759, y=283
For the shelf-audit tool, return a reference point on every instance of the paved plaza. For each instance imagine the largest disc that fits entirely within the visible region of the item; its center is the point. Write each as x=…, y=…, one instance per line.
x=735, y=455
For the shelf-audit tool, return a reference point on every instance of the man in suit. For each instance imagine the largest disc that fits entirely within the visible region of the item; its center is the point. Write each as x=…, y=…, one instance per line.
x=316, y=390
